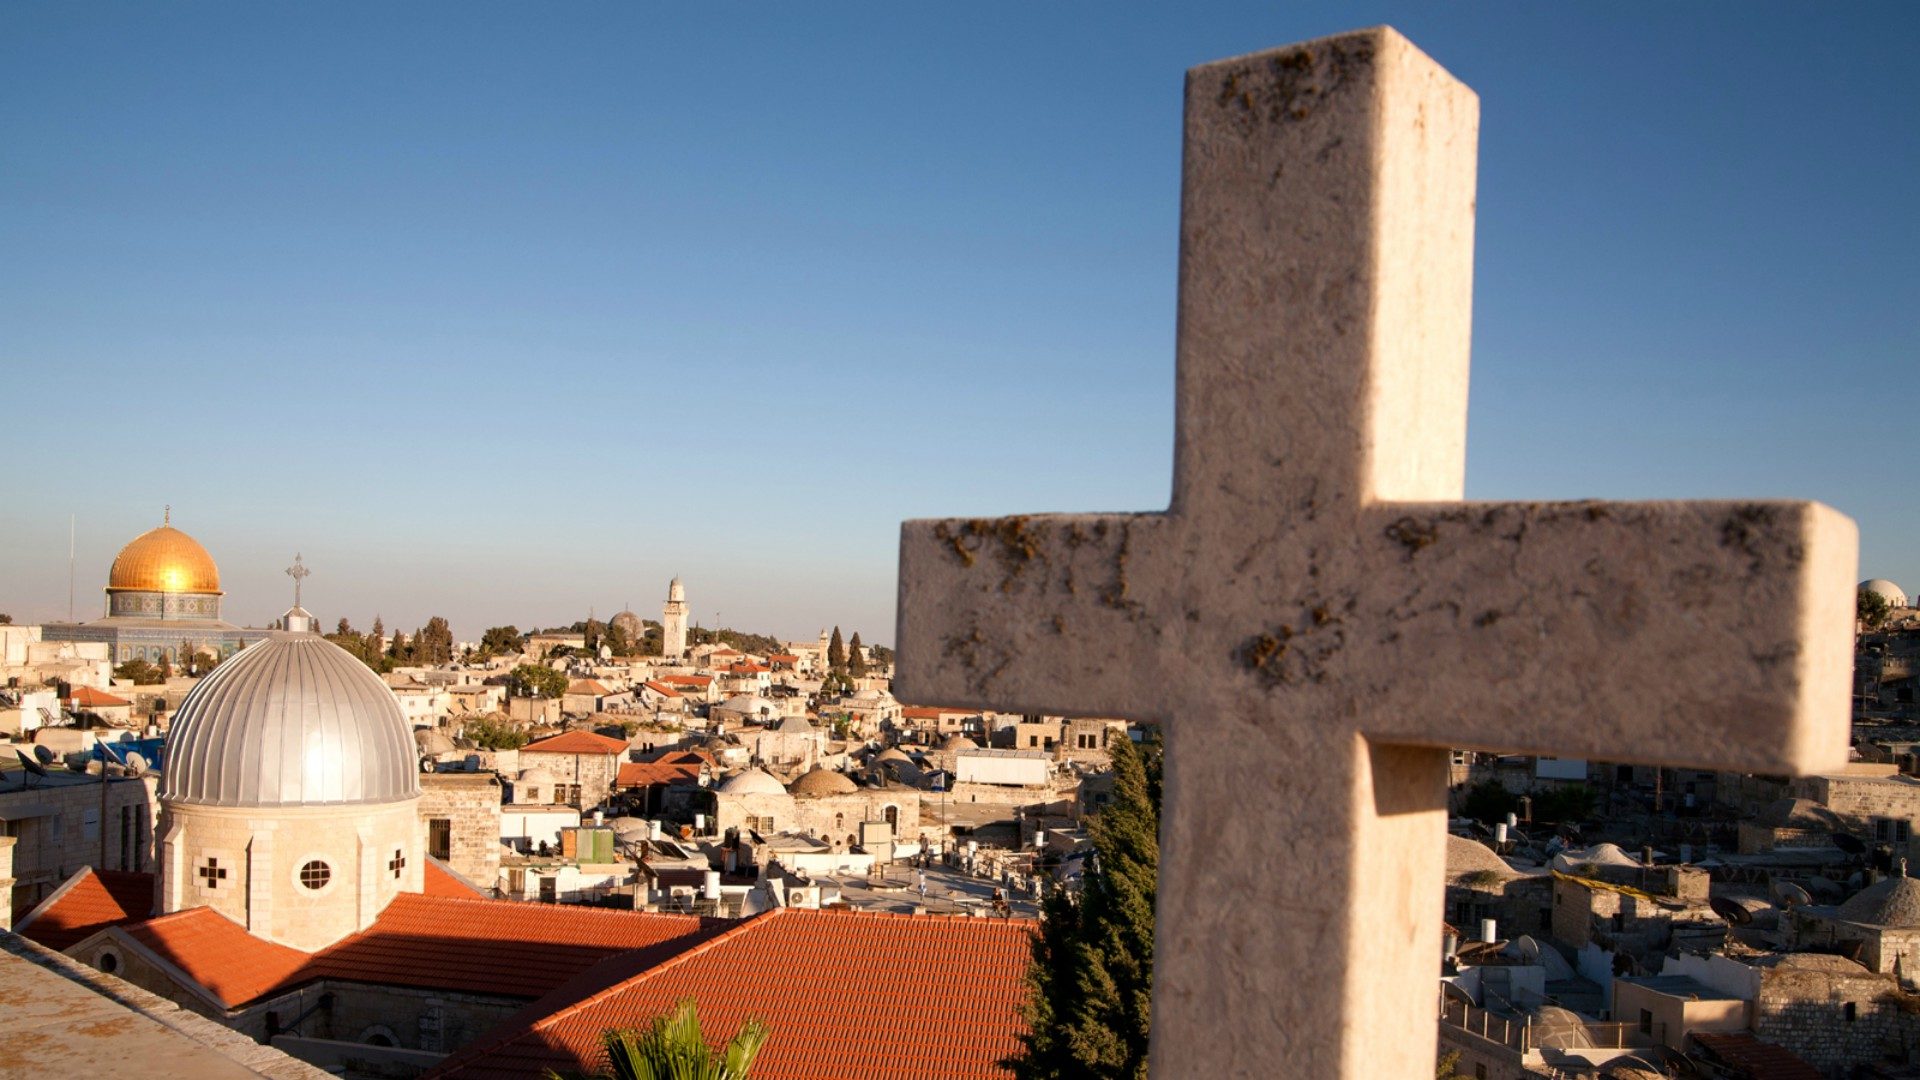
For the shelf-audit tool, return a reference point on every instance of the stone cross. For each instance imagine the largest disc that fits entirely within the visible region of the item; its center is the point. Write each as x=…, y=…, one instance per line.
x=1318, y=616
x=298, y=572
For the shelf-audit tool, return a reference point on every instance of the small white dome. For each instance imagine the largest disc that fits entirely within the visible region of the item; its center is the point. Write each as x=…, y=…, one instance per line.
x=752, y=782
x=1891, y=593
x=751, y=705
x=535, y=778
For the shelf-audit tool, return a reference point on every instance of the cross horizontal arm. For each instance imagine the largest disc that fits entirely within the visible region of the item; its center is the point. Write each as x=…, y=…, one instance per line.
x=1035, y=614
x=1712, y=634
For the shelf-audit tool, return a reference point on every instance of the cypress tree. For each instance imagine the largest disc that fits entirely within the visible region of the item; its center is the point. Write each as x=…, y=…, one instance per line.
x=1090, y=983
x=856, y=659
x=836, y=652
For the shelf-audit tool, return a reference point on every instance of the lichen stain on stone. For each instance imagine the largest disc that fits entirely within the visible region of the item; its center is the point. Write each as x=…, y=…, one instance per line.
x=1287, y=86
x=1412, y=534
x=1114, y=594
x=1745, y=529
x=1014, y=539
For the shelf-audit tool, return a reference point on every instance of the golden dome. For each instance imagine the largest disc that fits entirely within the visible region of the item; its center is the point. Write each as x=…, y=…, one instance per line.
x=164, y=560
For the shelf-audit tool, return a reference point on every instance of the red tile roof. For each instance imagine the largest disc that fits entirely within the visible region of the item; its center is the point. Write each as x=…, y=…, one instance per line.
x=587, y=686
x=687, y=680
x=785, y=657
x=855, y=995
x=503, y=947
x=661, y=688
x=931, y=712
x=218, y=953
x=682, y=757
x=86, y=903
x=648, y=773
x=440, y=880
x=1759, y=1060
x=86, y=697
x=576, y=742
x=747, y=668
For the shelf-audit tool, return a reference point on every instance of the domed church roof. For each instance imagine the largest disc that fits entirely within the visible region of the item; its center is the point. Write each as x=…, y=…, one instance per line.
x=823, y=781
x=1894, y=902
x=752, y=782
x=164, y=560
x=292, y=721
x=629, y=624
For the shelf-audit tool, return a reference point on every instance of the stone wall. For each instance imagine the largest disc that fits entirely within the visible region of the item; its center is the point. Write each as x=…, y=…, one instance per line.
x=470, y=805
x=595, y=773
x=1833, y=1019
x=58, y=830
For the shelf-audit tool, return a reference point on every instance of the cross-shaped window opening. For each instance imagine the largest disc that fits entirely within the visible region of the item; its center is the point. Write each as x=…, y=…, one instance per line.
x=212, y=874
x=397, y=863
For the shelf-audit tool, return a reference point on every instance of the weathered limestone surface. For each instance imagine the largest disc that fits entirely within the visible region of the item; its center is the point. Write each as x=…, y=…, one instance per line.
x=1318, y=613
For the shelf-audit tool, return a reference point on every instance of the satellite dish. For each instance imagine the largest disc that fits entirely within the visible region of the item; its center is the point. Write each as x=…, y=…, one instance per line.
x=1528, y=949
x=1852, y=845
x=136, y=763
x=32, y=765
x=1730, y=911
x=426, y=764
x=1790, y=894
x=44, y=754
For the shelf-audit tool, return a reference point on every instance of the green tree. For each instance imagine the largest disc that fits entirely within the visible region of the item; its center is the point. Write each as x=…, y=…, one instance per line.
x=434, y=643
x=836, y=652
x=1090, y=983
x=616, y=640
x=1489, y=801
x=672, y=1048
x=856, y=657
x=499, y=640
x=1872, y=609
x=494, y=732
x=401, y=651
x=1448, y=1066
x=5, y=619
x=202, y=663
x=535, y=680
x=593, y=630
x=882, y=656
x=141, y=672
x=166, y=667
x=1573, y=802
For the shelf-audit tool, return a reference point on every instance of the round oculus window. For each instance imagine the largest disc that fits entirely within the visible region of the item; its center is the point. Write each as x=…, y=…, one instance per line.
x=315, y=874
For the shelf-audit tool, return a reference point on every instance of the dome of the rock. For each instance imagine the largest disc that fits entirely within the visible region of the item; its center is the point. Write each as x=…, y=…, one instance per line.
x=164, y=560
x=292, y=721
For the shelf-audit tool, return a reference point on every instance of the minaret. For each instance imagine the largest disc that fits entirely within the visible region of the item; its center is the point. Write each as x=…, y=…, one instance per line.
x=673, y=622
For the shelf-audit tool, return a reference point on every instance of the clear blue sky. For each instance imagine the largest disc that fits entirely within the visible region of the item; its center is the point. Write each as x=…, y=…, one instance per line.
x=503, y=311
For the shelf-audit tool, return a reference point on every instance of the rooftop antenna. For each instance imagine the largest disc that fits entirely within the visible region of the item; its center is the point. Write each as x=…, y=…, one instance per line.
x=71, y=519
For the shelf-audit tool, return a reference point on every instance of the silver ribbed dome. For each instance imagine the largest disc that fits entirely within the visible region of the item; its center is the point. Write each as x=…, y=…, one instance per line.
x=294, y=720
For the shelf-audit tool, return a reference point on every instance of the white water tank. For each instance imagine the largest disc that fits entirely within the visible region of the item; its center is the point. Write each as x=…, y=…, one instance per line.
x=711, y=888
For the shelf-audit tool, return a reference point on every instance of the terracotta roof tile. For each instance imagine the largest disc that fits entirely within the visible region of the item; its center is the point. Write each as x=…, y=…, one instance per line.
x=932, y=712
x=649, y=773
x=478, y=946
x=661, y=688
x=218, y=953
x=440, y=880
x=687, y=680
x=576, y=742
x=86, y=903
x=86, y=697
x=846, y=994
x=587, y=686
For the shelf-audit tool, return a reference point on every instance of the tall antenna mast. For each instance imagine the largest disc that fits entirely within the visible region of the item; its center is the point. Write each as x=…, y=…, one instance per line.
x=71, y=519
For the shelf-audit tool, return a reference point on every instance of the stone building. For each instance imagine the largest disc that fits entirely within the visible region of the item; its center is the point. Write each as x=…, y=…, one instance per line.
x=1879, y=927
x=55, y=824
x=673, y=622
x=584, y=766
x=461, y=814
x=1480, y=885
x=821, y=803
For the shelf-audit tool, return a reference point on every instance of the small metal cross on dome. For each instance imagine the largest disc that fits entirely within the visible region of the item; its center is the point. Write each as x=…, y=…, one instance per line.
x=1319, y=616
x=298, y=572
